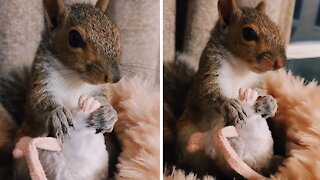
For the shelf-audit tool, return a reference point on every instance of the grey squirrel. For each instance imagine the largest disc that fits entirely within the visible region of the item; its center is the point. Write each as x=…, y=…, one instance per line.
x=244, y=45
x=79, y=53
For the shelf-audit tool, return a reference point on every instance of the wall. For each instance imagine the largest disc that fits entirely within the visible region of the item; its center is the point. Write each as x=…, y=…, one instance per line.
x=139, y=21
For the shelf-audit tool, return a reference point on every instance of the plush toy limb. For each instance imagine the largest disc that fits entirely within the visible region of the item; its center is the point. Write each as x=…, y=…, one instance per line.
x=236, y=163
x=27, y=147
x=88, y=104
x=48, y=143
x=195, y=142
x=248, y=95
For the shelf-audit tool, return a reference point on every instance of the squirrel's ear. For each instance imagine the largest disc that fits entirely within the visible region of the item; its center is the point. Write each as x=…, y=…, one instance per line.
x=261, y=6
x=102, y=5
x=226, y=8
x=54, y=9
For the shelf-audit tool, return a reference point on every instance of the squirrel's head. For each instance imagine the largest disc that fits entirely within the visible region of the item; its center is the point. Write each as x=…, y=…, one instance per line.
x=251, y=36
x=85, y=40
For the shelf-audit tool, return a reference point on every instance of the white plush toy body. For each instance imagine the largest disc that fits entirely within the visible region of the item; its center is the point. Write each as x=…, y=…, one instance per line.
x=254, y=143
x=83, y=153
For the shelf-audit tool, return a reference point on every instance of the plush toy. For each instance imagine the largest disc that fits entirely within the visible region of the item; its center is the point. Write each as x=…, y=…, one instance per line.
x=61, y=155
x=249, y=147
x=27, y=147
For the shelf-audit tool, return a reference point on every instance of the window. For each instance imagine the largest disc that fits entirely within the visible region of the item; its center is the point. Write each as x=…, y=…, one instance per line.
x=297, y=9
x=293, y=30
x=318, y=16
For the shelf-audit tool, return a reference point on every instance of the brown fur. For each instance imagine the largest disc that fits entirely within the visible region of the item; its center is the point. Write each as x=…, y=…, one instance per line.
x=7, y=130
x=100, y=55
x=206, y=93
x=96, y=62
x=270, y=39
x=137, y=130
x=295, y=127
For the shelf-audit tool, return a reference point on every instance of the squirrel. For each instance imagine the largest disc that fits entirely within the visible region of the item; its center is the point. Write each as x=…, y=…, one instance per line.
x=243, y=46
x=78, y=55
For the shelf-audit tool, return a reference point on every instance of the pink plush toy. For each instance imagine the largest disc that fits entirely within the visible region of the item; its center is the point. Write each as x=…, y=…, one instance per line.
x=249, y=147
x=28, y=147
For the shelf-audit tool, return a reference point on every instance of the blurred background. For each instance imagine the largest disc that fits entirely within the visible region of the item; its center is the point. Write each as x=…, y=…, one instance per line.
x=305, y=40
x=138, y=20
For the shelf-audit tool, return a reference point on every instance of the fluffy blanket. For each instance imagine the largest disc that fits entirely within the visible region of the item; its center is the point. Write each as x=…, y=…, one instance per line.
x=295, y=128
x=137, y=129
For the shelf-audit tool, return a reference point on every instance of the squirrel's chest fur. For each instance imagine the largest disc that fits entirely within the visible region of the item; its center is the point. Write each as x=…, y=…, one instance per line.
x=233, y=75
x=66, y=87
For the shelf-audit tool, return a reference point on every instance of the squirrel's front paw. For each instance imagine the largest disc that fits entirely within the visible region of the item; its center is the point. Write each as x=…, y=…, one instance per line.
x=266, y=106
x=233, y=112
x=61, y=121
x=103, y=119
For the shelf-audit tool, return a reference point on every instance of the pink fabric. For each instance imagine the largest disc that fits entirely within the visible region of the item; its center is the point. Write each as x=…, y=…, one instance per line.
x=222, y=143
x=27, y=147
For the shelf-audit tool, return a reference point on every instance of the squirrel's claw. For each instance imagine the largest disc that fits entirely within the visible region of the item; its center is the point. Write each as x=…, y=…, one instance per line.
x=266, y=106
x=103, y=119
x=233, y=112
x=61, y=119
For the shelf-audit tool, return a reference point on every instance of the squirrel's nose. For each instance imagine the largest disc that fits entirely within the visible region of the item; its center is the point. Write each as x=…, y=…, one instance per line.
x=114, y=79
x=106, y=78
x=278, y=64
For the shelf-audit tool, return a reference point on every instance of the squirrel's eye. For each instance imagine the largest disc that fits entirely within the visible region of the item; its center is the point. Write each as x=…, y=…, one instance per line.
x=249, y=34
x=75, y=39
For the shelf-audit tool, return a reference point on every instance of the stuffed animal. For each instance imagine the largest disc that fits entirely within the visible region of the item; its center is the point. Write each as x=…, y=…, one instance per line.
x=249, y=147
x=58, y=160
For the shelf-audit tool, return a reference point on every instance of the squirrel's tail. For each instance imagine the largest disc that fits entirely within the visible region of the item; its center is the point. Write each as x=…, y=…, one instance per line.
x=178, y=78
x=13, y=91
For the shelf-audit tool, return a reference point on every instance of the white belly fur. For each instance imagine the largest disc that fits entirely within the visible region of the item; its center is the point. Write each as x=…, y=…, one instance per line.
x=233, y=75
x=254, y=144
x=66, y=87
x=84, y=155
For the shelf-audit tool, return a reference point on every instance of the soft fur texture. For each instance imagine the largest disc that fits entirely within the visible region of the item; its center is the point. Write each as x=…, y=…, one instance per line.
x=201, y=17
x=233, y=75
x=295, y=128
x=20, y=33
x=138, y=129
x=89, y=161
x=71, y=87
x=247, y=145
